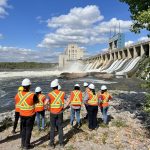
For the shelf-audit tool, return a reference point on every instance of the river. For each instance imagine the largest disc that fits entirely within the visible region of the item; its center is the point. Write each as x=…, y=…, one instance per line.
x=9, y=86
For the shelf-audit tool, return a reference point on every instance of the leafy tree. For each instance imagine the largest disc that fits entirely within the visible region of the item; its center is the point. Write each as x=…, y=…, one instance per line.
x=140, y=14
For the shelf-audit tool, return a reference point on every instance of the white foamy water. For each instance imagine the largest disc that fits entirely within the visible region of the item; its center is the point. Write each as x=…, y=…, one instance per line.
x=28, y=74
x=2, y=93
x=97, y=81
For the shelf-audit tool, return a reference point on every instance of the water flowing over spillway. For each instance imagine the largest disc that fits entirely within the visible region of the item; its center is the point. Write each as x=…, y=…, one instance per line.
x=119, y=66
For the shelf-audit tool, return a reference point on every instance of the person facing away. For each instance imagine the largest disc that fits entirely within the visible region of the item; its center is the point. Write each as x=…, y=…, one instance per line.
x=85, y=84
x=55, y=100
x=26, y=103
x=39, y=108
x=17, y=109
x=104, y=98
x=91, y=99
x=75, y=101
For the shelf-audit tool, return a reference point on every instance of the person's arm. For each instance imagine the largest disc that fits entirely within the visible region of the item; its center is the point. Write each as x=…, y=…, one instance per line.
x=47, y=99
x=68, y=101
x=86, y=97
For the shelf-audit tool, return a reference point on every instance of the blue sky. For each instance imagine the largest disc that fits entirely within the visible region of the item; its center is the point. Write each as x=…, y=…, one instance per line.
x=38, y=30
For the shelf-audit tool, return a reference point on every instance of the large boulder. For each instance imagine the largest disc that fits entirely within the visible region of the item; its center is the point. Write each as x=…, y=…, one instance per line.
x=68, y=75
x=103, y=75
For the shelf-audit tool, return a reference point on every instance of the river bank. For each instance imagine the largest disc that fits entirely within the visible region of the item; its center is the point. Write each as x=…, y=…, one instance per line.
x=126, y=129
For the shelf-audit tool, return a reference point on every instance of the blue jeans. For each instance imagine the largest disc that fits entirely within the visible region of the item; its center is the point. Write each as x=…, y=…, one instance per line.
x=104, y=111
x=73, y=112
x=42, y=114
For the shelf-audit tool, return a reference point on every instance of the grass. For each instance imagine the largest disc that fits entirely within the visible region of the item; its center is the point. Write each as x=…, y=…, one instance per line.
x=7, y=122
x=104, y=137
x=147, y=104
x=119, y=123
x=70, y=147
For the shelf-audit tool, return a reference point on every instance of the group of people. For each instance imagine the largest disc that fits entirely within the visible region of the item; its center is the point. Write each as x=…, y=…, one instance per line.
x=29, y=105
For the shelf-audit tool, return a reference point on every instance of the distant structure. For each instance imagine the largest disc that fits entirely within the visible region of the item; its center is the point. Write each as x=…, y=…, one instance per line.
x=117, y=41
x=71, y=54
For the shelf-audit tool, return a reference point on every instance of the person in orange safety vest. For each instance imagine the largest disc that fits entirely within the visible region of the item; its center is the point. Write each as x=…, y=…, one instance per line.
x=91, y=100
x=55, y=100
x=26, y=103
x=17, y=114
x=75, y=101
x=104, y=98
x=39, y=108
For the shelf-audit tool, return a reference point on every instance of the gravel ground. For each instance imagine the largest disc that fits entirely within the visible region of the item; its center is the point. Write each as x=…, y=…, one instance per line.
x=126, y=129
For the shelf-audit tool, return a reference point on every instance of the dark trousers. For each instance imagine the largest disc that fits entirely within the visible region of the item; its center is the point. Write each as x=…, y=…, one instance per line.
x=56, y=119
x=92, y=116
x=17, y=115
x=27, y=126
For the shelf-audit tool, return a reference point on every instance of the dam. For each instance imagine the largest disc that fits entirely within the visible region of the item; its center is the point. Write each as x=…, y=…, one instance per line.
x=118, y=59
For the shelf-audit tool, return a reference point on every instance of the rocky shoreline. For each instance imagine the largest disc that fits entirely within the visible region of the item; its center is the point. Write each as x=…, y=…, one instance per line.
x=126, y=130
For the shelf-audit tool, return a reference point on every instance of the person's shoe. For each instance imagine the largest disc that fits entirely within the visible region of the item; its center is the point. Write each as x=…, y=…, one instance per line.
x=79, y=125
x=51, y=145
x=70, y=126
x=90, y=130
x=28, y=147
x=61, y=146
x=42, y=129
x=13, y=132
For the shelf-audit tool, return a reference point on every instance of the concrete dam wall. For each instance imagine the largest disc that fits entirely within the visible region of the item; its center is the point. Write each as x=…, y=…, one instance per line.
x=118, y=61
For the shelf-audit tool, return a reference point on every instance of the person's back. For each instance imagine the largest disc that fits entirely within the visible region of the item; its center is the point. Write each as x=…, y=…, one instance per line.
x=26, y=103
x=76, y=98
x=56, y=101
x=104, y=98
x=27, y=112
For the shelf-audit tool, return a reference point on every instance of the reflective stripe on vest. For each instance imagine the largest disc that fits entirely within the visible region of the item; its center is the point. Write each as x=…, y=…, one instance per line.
x=40, y=104
x=57, y=103
x=22, y=103
x=106, y=98
x=76, y=99
x=93, y=100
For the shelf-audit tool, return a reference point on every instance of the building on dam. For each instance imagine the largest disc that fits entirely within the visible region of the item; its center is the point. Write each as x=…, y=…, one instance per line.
x=119, y=59
x=71, y=54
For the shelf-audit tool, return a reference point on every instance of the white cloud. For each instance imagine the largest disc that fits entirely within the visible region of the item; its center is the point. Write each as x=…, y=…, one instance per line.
x=83, y=26
x=77, y=17
x=129, y=43
x=3, y=6
x=143, y=38
x=15, y=54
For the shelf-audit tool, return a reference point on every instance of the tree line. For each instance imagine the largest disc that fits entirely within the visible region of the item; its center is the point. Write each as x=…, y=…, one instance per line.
x=26, y=65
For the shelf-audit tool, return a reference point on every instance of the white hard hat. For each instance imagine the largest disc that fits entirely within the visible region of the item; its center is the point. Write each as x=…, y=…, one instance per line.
x=26, y=82
x=55, y=80
x=85, y=84
x=77, y=85
x=92, y=86
x=54, y=83
x=38, y=89
x=59, y=87
x=103, y=87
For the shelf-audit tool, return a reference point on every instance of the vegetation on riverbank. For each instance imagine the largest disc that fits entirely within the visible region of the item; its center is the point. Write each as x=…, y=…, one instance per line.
x=26, y=65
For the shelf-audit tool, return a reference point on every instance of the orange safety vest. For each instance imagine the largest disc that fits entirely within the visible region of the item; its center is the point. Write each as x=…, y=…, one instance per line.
x=17, y=99
x=76, y=98
x=25, y=104
x=105, y=97
x=40, y=106
x=56, y=101
x=93, y=99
